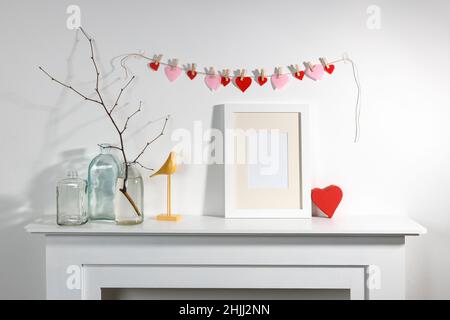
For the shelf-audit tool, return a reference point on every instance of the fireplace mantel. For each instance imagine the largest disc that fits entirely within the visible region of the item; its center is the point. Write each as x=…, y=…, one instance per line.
x=362, y=253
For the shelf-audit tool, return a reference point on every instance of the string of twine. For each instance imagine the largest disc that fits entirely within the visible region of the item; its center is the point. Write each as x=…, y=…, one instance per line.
x=168, y=63
x=345, y=58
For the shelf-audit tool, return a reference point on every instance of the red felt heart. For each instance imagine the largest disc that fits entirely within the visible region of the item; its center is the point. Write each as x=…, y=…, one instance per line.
x=299, y=75
x=191, y=74
x=243, y=83
x=329, y=68
x=262, y=80
x=225, y=81
x=327, y=199
x=154, y=65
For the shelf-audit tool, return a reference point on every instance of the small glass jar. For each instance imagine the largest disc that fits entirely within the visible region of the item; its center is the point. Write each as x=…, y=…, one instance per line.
x=71, y=200
x=129, y=205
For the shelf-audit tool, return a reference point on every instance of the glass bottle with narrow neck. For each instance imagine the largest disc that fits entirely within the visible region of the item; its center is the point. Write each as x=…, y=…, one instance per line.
x=103, y=173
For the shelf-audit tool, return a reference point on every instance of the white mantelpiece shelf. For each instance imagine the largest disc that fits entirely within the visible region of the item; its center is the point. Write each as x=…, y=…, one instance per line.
x=200, y=252
x=374, y=225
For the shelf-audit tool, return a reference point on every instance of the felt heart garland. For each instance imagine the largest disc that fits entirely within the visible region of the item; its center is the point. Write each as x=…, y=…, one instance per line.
x=213, y=81
x=314, y=72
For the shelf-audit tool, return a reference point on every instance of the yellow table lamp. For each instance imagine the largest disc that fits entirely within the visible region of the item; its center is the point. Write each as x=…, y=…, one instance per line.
x=168, y=168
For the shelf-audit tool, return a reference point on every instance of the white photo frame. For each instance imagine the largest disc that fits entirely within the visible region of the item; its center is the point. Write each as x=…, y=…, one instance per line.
x=243, y=197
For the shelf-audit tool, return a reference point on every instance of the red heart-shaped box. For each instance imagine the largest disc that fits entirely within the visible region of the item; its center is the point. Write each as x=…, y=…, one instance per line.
x=327, y=199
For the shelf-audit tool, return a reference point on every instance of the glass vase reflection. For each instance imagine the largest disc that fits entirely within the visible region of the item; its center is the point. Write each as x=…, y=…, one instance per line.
x=103, y=173
x=129, y=205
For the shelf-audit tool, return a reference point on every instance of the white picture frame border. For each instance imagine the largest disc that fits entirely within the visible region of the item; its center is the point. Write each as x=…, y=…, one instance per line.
x=304, y=158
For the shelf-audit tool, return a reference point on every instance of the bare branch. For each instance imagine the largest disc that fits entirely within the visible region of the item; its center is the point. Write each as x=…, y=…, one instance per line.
x=120, y=94
x=120, y=132
x=109, y=147
x=131, y=116
x=153, y=140
x=97, y=72
x=69, y=87
x=144, y=167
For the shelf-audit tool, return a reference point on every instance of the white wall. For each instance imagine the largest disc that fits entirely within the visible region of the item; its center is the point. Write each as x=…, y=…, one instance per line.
x=399, y=167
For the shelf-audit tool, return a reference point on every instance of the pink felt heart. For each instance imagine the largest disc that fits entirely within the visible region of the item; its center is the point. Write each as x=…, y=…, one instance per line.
x=279, y=81
x=213, y=81
x=316, y=73
x=172, y=73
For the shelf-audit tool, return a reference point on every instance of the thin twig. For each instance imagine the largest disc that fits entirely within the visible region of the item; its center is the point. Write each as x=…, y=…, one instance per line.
x=109, y=147
x=97, y=72
x=69, y=87
x=144, y=167
x=131, y=116
x=120, y=94
x=153, y=140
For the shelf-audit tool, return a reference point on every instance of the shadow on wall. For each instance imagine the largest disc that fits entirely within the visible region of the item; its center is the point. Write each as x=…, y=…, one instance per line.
x=22, y=255
x=35, y=201
x=214, y=200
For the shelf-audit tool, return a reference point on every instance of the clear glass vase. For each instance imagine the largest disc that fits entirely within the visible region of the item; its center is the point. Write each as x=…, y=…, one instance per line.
x=103, y=173
x=71, y=200
x=129, y=205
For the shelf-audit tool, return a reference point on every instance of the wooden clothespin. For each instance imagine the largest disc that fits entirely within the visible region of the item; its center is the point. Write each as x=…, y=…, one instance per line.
x=174, y=63
x=226, y=73
x=242, y=74
x=308, y=65
x=191, y=73
x=297, y=70
x=211, y=71
x=225, y=77
x=345, y=57
x=262, y=74
x=278, y=71
x=157, y=58
x=155, y=62
x=324, y=62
